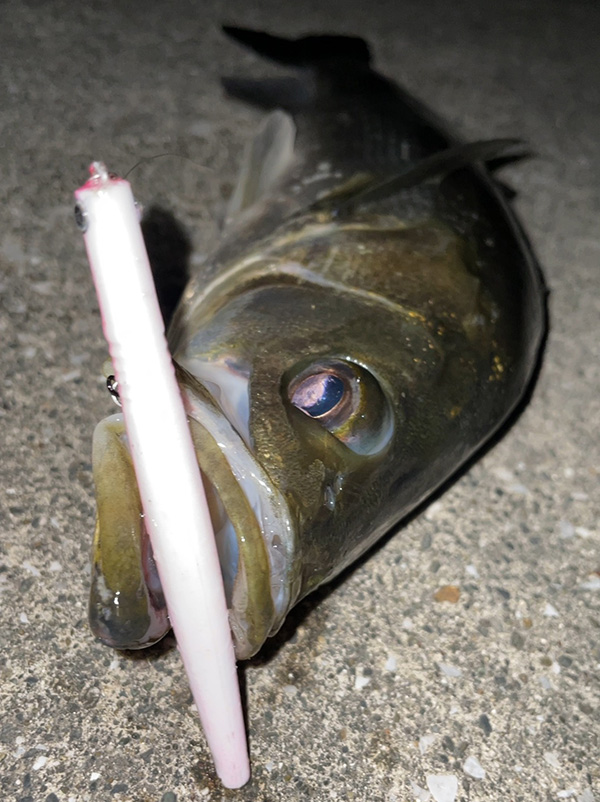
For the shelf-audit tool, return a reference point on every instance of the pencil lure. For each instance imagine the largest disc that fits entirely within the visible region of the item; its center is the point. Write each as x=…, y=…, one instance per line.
x=175, y=510
x=371, y=317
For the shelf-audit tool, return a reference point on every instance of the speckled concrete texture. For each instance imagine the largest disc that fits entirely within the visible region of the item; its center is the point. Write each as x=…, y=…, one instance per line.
x=379, y=686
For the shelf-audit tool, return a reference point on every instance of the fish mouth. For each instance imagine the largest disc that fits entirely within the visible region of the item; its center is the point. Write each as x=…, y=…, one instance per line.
x=253, y=530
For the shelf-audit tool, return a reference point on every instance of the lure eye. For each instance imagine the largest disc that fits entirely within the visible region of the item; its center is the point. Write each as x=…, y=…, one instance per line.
x=346, y=400
x=112, y=385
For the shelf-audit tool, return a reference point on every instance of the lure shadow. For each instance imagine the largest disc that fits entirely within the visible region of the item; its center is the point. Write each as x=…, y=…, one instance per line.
x=169, y=249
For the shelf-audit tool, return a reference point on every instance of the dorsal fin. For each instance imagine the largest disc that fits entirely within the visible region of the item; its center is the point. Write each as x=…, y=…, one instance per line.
x=433, y=167
x=266, y=159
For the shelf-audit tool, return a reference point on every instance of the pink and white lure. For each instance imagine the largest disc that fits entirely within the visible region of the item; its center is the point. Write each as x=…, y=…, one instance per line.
x=173, y=498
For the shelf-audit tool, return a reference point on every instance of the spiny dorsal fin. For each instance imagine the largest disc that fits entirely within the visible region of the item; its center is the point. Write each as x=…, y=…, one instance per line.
x=431, y=168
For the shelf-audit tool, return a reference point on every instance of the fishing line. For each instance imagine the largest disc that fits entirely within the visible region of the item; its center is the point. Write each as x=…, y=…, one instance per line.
x=146, y=159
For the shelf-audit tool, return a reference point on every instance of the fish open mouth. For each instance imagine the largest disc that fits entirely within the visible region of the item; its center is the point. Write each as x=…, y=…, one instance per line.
x=251, y=521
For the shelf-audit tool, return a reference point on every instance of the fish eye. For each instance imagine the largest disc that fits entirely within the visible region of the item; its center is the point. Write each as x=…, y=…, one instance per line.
x=320, y=394
x=345, y=399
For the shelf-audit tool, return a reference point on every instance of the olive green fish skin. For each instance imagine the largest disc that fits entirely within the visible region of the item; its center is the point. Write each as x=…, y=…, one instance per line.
x=429, y=299
x=409, y=303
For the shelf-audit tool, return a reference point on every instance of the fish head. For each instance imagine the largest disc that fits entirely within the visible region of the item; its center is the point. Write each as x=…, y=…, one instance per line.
x=323, y=406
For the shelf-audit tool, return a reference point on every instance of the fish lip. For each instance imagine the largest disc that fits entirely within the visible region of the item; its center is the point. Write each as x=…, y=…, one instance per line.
x=128, y=611
x=263, y=584
x=123, y=633
x=250, y=619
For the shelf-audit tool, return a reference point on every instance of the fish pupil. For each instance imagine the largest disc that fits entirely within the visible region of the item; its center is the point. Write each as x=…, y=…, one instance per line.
x=319, y=394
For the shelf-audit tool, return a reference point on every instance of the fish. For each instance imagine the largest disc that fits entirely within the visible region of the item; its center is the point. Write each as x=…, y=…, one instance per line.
x=371, y=317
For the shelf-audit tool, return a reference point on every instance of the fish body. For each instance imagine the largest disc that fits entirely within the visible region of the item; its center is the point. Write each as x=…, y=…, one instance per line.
x=372, y=315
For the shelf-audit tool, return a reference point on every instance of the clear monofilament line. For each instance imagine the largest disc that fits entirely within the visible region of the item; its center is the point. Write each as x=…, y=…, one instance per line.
x=175, y=508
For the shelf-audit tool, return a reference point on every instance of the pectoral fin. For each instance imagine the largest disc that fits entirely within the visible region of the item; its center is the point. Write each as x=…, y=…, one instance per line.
x=266, y=160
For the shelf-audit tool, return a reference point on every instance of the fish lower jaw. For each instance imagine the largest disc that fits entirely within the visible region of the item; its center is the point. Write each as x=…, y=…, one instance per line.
x=251, y=523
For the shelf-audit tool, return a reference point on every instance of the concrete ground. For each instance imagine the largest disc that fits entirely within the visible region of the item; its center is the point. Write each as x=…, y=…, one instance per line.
x=378, y=688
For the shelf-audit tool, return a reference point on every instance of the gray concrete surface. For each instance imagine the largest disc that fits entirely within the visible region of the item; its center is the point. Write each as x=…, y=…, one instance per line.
x=379, y=686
